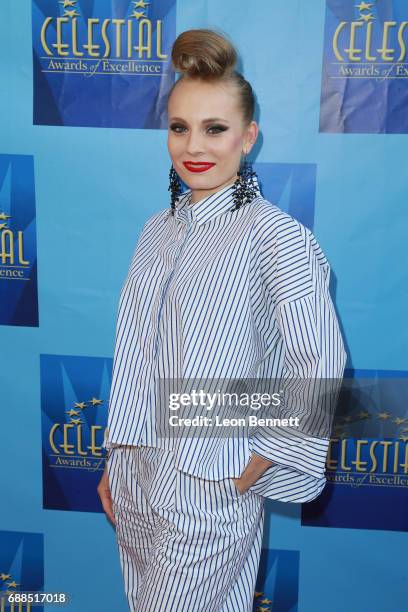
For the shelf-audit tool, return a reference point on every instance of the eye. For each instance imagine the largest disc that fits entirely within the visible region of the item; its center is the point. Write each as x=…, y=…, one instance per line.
x=219, y=128
x=175, y=127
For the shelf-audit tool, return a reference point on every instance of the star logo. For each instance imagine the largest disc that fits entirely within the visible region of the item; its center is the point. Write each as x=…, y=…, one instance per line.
x=3, y=226
x=95, y=402
x=72, y=412
x=137, y=14
x=80, y=405
x=3, y=216
x=67, y=3
x=366, y=17
x=384, y=415
x=71, y=14
x=364, y=6
x=140, y=4
x=13, y=584
x=76, y=421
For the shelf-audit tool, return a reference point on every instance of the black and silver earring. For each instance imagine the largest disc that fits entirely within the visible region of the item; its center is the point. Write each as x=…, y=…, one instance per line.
x=245, y=188
x=174, y=187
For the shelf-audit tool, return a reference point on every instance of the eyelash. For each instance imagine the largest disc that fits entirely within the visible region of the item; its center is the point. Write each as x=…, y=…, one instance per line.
x=221, y=128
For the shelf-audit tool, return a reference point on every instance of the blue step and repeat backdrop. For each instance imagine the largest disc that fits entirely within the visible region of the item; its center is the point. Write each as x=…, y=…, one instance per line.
x=84, y=163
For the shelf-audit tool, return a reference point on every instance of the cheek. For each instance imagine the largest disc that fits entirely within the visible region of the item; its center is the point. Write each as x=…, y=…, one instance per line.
x=237, y=142
x=174, y=146
x=227, y=148
x=232, y=145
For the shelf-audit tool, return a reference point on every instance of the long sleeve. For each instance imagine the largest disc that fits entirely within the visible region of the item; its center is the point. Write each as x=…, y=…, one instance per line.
x=123, y=335
x=296, y=275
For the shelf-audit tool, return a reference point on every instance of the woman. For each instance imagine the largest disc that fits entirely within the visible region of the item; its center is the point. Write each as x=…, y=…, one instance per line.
x=222, y=285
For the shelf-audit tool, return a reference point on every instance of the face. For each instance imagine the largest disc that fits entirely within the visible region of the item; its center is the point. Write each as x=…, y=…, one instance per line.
x=206, y=126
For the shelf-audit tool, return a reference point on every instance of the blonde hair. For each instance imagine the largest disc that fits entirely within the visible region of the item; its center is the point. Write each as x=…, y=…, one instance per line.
x=209, y=56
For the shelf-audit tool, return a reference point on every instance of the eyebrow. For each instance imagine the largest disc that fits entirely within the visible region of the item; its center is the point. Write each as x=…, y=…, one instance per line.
x=209, y=120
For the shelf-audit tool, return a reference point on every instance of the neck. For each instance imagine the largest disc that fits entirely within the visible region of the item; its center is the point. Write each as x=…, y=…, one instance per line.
x=200, y=194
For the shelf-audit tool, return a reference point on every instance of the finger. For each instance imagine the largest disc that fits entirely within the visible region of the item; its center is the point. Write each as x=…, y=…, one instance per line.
x=106, y=500
x=107, y=506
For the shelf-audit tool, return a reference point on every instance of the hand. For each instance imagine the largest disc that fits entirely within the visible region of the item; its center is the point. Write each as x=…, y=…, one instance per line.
x=256, y=466
x=239, y=485
x=105, y=495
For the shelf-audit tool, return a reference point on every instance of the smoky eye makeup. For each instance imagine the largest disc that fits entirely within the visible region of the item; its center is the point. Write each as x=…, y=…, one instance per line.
x=218, y=127
x=175, y=126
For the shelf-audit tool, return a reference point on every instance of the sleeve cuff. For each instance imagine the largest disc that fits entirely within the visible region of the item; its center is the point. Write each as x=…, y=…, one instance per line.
x=302, y=453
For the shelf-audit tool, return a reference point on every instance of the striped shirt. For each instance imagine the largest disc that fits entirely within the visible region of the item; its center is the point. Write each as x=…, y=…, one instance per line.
x=214, y=292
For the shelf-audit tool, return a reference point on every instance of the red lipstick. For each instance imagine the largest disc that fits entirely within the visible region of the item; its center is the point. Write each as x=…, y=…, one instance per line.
x=197, y=166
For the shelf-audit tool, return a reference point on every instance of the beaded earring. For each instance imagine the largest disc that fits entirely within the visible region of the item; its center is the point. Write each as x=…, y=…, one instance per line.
x=245, y=189
x=174, y=188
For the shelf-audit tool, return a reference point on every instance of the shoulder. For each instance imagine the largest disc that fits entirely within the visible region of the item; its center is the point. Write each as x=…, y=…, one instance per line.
x=284, y=238
x=157, y=217
x=277, y=227
x=155, y=221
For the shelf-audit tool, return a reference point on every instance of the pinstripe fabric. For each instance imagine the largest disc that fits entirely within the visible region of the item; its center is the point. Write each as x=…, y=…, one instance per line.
x=215, y=293
x=184, y=542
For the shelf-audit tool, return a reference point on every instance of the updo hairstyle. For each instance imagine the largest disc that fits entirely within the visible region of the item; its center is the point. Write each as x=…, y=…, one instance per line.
x=206, y=55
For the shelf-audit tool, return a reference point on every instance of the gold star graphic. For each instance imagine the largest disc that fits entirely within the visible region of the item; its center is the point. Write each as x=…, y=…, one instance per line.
x=367, y=17
x=258, y=593
x=384, y=415
x=263, y=609
x=266, y=601
x=140, y=3
x=3, y=226
x=81, y=405
x=72, y=13
x=76, y=421
x=12, y=584
x=364, y=414
x=4, y=216
x=95, y=401
x=364, y=6
x=405, y=429
x=72, y=412
x=399, y=421
x=137, y=14
x=5, y=576
x=67, y=3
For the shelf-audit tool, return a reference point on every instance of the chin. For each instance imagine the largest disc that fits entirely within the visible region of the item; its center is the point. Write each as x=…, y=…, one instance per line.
x=198, y=182
x=201, y=184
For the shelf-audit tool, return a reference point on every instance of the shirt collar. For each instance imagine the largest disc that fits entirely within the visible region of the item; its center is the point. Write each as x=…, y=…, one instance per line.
x=209, y=207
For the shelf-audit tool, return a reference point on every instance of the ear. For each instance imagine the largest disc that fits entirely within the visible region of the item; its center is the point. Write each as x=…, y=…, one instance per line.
x=250, y=136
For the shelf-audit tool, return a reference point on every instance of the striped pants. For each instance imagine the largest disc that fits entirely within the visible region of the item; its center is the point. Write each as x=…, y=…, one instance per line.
x=184, y=542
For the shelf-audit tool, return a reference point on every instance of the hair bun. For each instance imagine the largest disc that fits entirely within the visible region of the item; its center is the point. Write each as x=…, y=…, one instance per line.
x=203, y=53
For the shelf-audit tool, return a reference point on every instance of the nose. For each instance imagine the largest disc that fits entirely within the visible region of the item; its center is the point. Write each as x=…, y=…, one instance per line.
x=194, y=143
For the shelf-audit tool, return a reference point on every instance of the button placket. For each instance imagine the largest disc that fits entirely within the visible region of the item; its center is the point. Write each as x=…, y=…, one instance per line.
x=190, y=224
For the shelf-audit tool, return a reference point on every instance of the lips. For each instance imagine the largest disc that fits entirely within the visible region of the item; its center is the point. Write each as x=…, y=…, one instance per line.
x=197, y=166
